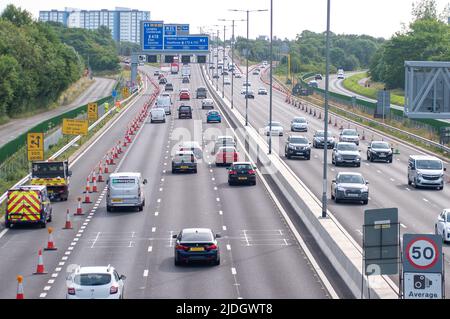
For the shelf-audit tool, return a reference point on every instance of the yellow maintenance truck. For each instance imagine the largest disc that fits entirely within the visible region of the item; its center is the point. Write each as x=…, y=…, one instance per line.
x=53, y=174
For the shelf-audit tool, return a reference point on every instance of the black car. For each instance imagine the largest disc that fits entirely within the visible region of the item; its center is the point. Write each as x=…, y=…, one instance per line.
x=249, y=94
x=212, y=67
x=216, y=76
x=241, y=173
x=225, y=73
x=185, y=80
x=319, y=140
x=297, y=146
x=162, y=81
x=168, y=87
x=184, y=161
x=318, y=77
x=185, y=111
x=379, y=151
x=196, y=244
x=201, y=93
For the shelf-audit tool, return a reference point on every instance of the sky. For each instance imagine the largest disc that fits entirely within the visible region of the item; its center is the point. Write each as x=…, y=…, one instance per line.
x=378, y=18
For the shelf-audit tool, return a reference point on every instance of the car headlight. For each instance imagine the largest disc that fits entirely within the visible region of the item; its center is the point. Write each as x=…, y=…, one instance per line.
x=341, y=189
x=365, y=190
x=419, y=174
x=339, y=157
x=358, y=158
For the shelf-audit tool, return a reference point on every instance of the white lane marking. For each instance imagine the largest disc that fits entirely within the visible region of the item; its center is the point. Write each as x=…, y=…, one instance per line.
x=150, y=249
x=156, y=213
x=162, y=179
x=64, y=258
x=51, y=281
x=86, y=223
x=95, y=240
x=246, y=238
x=359, y=232
x=233, y=271
x=146, y=273
x=83, y=227
x=61, y=263
x=425, y=200
x=78, y=235
x=161, y=189
x=215, y=188
x=76, y=239
x=392, y=180
x=228, y=247
x=71, y=248
x=3, y=232
x=220, y=212
x=47, y=288
x=153, y=229
x=43, y=295
x=67, y=253
x=408, y=189
x=224, y=227
x=404, y=226
x=378, y=171
x=159, y=200
x=54, y=275
x=210, y=170
x=213, y=179
x=367, y=164
x=218, y=199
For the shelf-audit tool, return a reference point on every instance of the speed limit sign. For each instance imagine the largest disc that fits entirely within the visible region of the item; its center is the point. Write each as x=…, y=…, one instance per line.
x=422, y=253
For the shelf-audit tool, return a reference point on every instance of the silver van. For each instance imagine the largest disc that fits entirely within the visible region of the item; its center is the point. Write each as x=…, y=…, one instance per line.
x=426, y=171
x=164, y=102
x=125, y=190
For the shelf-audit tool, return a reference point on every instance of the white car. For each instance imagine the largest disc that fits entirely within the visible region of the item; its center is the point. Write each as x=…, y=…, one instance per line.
x=262, y=91
x=226, y=81
x=99, y=282
x=277, y=129
x=442, y=226
x=349, y=135
x=157, y=115
x=238, y=75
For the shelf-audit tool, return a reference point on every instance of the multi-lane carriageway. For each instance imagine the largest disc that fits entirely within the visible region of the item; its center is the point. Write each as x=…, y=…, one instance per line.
x=262, y=253
x=418, y=208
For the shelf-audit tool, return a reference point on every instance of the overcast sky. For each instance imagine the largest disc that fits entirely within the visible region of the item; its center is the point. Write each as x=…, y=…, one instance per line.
x=379, y=18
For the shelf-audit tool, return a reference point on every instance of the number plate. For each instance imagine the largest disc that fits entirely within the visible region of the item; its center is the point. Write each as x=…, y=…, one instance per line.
x=197, y=249
x=184, y=167
x=242, y=178
x=117, y=200
x=353, y=195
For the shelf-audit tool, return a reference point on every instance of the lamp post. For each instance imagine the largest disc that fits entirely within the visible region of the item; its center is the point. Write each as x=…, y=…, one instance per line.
x=232, y=59
x=246, y=56
x=271, y=80
x=327, y=85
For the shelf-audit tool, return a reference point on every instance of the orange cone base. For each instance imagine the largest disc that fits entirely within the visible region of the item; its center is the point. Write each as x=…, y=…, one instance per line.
x=68, y=225
x=87, y=200
x=50, y=247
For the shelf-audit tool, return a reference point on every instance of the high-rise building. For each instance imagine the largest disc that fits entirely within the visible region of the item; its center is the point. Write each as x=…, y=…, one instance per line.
x=124, y=23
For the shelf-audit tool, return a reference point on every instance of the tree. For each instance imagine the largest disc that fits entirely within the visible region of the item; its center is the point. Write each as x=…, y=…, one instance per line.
x=425, y=9
x=17, y=16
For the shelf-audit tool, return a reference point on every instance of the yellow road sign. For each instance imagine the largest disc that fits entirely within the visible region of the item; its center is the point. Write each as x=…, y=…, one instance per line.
x=75, y=127
x=35, y=146
x=125, y=92
x=92, y=112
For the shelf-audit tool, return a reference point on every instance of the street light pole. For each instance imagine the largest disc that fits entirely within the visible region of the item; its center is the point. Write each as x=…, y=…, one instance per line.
x=271, y=80
x=223, y=60
x=217, y=60
x=327, y=86
x=246, y=75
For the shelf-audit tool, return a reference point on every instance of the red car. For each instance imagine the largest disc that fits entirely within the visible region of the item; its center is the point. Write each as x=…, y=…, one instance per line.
x=185, y=95
x=226, y=155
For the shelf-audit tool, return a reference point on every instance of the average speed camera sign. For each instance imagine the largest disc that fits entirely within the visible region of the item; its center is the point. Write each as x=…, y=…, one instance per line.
x=422, y=253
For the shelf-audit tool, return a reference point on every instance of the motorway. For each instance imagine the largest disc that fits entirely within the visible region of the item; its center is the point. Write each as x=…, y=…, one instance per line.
x=101, y=88
x=260, y=256
x=418, y=208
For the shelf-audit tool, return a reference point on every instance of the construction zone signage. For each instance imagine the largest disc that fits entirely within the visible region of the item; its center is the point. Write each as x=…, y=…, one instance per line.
x=35, y=146
x=92, y=112
x=75, y=127
x=24, y=205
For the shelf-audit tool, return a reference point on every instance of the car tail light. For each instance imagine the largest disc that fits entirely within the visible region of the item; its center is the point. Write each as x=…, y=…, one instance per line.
x=113, y=290
x=71, y=291
x=211, y=247
x=233, y=173
x=252, y=172
x=181, y=247
x=235, y=157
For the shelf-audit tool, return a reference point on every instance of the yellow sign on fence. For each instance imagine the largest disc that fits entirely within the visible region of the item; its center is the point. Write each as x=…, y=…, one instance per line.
x=35, y=146
x=75, y=127
x=92, y=112
x=125, y=92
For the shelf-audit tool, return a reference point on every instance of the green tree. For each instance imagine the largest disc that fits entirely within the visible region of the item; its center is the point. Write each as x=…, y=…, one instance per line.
x=16, y=15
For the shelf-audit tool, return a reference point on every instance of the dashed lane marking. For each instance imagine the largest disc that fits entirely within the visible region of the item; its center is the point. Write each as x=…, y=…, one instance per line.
x=153, y=229
x=146, y=273
x=150, y=249
x=228, y=247
x=43, y=295
x=233, y=271
x=156, y=213
x=224, y=228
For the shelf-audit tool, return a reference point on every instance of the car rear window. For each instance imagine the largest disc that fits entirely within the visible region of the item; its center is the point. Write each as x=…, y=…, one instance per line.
x=242, y=167
x=123, y=182
x=197, y=237
x=92, y=279
x=184, y=158
x=185, y=108
x=380, y=145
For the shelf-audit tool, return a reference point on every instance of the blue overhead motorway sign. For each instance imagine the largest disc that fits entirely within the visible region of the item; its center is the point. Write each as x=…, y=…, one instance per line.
x=186, y=43
x=153, y=35
x=171, y=30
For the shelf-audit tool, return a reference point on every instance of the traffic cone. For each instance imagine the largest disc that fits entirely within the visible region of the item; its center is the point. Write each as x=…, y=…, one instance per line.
x=335, y=122
x=111, y=159
x=68, y=224
x=20, y=294
x=87, y=199
x=79, y=209
x=106, y=169
x=40, y=266
x=329, y=121
x=114, y=150
x=310, y=111
x=320, y=115
x=50, y=242
x=88, y=188
x=125, y=142
x=94, y=187
x=303, y=107
x=314, y=112
x=363, y=137
x=100, y=173
x=396, y=150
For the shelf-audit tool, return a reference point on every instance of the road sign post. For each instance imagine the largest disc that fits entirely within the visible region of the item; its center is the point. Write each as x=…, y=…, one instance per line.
x=92, y=112
x=423, y=267
x=35, y=146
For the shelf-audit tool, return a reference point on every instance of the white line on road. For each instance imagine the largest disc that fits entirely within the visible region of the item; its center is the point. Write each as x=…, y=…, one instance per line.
x=146, y=273
x=150, y=249
x=404, y=226
x=51, y=281
x=64, y=258
x=392, y=180
x=47, y=288
x=233, y=271
x=153, y=229
x=220, y=212
x=156, y=213
x=95, y=240
x=425, y=200
x=359, y=232
x=228, y=247
x=58, y=269
x=224, y=227
x=43, y=295
x=3, y=232
x=218, y=199
x=54, y=275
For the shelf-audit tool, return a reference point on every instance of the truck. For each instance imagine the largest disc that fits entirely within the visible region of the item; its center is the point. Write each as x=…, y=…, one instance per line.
x=53, y=174
x=174, y=68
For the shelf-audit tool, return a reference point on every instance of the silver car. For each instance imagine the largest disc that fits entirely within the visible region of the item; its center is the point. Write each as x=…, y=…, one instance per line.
x=346, y=154
x=349, y=135
x=350, y=187
x=442, y=226
x=125, y=190
x=299, y=124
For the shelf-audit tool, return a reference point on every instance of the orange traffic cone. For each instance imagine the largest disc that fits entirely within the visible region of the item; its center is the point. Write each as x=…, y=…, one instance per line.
x=20, y=294
x=50, y=242
x=79, y=209
x=40, y=267
x=94, y=187
x=106, y=169
x=111, y=159
x=88, y=188
x=363, y=137
x=100, y=172
x=68, y=224
x=87, y=199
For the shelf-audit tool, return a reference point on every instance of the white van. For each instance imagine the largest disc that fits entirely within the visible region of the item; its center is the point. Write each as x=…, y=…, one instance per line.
x=426, y=171
x=157, y=115
x=125, y=190
x=164, y=102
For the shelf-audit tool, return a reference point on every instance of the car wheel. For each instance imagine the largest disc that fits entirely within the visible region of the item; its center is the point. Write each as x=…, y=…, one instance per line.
x=358, y=165
x=50, y=217
x=287, y=156
x=151, y=121
x=409, y=181
x=108, y=208
x=333, y=161
x=141, y=208
x=217, y=262
x=336, y=200
x=365, y=202
x=308, y=158
x=195, y=171
x=254, y=183
x=176, y=262
x=7, y=224
x=390, y=160
x=435, y=230
x=332, y=196
x=173, y=171
x=43, y=224
x=443, y=237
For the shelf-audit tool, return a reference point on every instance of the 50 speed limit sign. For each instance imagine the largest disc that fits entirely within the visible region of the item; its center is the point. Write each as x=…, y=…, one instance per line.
x=422, y=253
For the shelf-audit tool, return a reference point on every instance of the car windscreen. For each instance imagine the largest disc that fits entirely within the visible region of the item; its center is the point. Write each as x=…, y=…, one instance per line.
x=196, y=237
x=320, y=134
x=201, y=90
x=380, y=146
x=448, y=218
x=92, y=279
x=274, y=124
x=298, y=140
x=242, y=167
x=347, y=147
x=227, y=149
x=185, y=158
x=300, y=120
x=48, y=170
x=213, y=113
x=429, y=164
x=351, y=179
x=185, y=108
x=123, y=182
x=349, y=133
